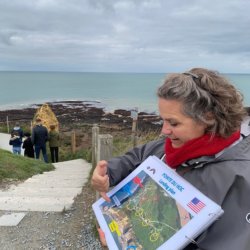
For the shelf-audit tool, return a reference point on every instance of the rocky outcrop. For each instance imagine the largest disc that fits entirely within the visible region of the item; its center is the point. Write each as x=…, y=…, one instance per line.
x=47, y=116
x=70, y=112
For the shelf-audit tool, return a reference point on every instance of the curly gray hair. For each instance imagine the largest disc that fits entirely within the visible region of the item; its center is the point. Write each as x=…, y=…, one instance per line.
x=207, y=97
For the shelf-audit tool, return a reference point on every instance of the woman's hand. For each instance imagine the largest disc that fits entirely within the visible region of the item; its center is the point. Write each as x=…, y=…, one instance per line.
x=102, y=237
x=100, y=179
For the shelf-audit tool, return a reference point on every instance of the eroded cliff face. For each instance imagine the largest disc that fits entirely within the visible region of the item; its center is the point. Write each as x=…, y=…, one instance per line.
x=47, y=116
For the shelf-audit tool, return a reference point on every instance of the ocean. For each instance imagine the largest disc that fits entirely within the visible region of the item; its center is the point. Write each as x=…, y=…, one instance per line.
x=108, y=90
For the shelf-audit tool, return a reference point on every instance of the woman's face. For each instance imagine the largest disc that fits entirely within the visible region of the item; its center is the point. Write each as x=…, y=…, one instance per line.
x=178, y=127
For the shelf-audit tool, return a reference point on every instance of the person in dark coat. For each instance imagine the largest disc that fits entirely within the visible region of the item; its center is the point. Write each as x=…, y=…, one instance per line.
x=18, y=129
x=54, y=141
x=28, y=146
x=39, y=137
x=15, y=142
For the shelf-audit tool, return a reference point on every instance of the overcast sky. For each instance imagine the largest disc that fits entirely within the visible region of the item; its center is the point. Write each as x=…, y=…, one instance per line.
x=125, y=35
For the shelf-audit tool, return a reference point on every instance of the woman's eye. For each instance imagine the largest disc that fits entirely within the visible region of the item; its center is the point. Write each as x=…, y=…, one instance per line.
x=173, y=124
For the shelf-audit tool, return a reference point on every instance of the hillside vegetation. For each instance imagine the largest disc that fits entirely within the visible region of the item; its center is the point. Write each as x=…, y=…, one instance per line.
x=15, y=167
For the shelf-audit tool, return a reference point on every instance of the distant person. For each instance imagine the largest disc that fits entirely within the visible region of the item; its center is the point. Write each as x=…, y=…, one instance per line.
x=54, y=141
x=28, y=146
x=17, y=129
x=15, y=142
x=39, y=138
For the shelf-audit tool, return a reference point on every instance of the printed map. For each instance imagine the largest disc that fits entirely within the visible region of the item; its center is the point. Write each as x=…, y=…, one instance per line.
x=141, y=215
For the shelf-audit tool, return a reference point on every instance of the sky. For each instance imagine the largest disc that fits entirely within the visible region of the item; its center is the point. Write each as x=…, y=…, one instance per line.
x=124, y=35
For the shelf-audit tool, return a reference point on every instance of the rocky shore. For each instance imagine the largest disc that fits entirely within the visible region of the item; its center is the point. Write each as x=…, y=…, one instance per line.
x=70, y=112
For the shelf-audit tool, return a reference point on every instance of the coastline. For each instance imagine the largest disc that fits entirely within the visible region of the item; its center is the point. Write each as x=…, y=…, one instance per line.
x=70, y=112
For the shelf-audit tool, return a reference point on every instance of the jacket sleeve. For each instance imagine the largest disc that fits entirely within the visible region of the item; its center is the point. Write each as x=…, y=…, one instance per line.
x=120, y=167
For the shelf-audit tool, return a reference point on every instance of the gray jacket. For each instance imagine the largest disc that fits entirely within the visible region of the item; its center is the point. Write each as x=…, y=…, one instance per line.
x=225, y=180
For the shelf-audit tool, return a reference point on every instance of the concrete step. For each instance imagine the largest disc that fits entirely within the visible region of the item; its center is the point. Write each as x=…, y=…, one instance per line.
x=50, y=191
x=35, y=203
x=42, y=192
x=51, y=185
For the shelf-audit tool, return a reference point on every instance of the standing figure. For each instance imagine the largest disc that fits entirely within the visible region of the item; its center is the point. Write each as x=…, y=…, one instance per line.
x=28, y=146
x=16, y=142
x=18, y=129
x=54, y=141
x=39, y=138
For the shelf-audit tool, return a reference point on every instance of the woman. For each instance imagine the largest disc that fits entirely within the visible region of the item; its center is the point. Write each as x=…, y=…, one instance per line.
x=202, y=114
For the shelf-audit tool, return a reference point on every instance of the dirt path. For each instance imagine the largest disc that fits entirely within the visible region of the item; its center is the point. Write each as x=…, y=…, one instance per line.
x=72, y=229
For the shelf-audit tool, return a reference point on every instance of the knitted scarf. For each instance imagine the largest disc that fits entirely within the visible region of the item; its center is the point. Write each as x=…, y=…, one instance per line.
x=205, y=145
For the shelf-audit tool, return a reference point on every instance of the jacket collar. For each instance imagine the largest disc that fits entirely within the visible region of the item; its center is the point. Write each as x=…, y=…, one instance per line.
x=234, y=152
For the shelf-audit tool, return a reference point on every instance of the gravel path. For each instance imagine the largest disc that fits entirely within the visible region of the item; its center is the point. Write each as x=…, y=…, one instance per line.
x=73, y=229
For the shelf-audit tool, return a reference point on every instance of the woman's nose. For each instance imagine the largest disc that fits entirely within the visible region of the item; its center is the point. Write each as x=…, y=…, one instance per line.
x=166, y=130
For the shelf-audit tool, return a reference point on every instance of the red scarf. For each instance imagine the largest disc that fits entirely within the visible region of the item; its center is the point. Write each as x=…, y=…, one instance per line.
x=202, y=146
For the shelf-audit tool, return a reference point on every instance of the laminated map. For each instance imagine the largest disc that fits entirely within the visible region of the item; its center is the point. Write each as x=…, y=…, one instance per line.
x=154, y=208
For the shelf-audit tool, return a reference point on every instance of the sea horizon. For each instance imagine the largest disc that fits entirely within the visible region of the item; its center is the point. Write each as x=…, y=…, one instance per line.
x=109, y=90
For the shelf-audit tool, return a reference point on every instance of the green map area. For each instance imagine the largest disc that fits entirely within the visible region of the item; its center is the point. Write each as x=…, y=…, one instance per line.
x=146, y=219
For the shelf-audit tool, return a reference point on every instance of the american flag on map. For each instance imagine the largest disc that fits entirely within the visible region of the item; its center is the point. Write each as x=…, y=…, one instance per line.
x=196, y=205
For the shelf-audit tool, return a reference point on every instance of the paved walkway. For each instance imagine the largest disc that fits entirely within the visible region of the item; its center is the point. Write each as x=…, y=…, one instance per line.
x=4, y=142
x=51, y=191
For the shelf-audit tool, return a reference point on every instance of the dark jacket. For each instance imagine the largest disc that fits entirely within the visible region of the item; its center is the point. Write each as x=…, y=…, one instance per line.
x=15, y=141
x=39, y=135
x=225, y=180
x=28, y=147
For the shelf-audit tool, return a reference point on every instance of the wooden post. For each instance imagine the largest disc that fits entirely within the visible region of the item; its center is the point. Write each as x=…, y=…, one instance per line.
x=95, y=133
x=73, y=142
x=8, y=126
x=104, y=147
x=134, y=115
x=134, y=133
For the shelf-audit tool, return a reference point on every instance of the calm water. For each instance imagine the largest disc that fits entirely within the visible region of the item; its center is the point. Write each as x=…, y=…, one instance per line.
x=113, y=90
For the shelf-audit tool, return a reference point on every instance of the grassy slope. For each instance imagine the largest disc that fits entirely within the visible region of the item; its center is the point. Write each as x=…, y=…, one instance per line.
x=19, y=168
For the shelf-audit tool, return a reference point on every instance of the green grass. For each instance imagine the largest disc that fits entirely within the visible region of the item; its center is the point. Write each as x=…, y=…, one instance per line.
x=67, y=155
x=15, y=167
x=122, y=144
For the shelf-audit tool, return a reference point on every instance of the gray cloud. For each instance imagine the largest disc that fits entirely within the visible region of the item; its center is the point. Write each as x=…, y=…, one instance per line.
x=129, y=35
